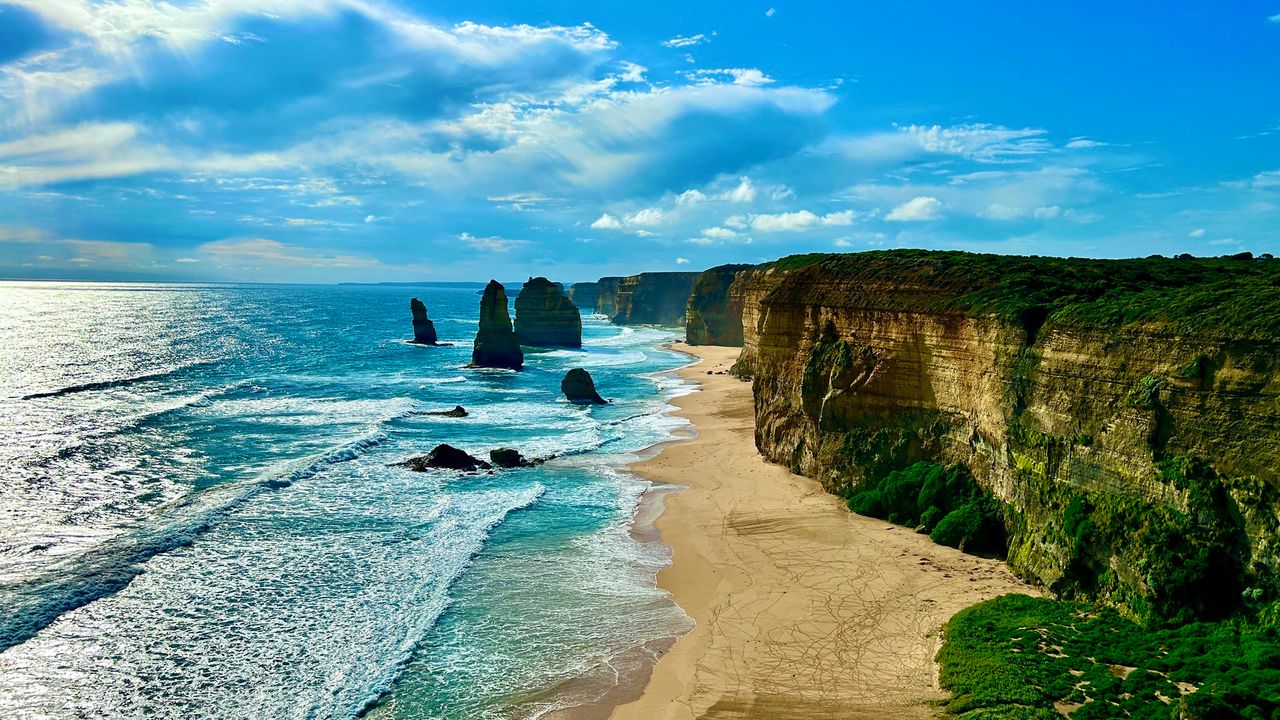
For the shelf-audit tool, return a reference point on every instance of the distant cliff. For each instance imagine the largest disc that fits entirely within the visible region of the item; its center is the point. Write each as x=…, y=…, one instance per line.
x=607, y=294
x=1128, y=412
x=545, y=317
x=583, y=296
x=714, y=312
x=657, y=298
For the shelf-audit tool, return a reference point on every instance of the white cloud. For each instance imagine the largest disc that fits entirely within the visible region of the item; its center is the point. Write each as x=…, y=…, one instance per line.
x=719, y=233
x=982, y=142
x=745, y=192
x=997, y=211
x=631, y=72
x=186, y=260
x=682, y=261
x=1197, y=233
x=606, y=222
x=682, y=41
x=691, y=197
x=492, y=243
x=737, y=221
x=1267, y=180
x=1274, y=19
x=1047, y=212
x=738, y=76
x=1083, y=143
x=916, y=209
x=798, y=220
x=770, y=12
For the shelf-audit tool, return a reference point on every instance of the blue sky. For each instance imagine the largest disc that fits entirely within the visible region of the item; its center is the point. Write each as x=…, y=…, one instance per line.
x=366, y=140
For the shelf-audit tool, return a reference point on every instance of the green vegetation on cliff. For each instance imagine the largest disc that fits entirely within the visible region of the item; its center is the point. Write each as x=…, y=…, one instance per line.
x=1237, y=296
x=1023, y=657
x=944, y=502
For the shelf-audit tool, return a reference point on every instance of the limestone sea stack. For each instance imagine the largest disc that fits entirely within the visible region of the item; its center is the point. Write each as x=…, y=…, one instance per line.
x=545, y=317
x=424, y=331
x=580, y=389
x=496, y=345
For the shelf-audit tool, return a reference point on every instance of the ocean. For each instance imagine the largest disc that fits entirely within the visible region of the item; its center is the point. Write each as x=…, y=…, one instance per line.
x=200, y=515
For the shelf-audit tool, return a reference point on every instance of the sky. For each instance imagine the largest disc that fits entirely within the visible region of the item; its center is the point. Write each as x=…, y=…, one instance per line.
x=371, y=140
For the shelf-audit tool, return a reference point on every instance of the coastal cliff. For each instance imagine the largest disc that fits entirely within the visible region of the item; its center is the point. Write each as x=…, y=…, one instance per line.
x=583, y=296
x=714, y=313
x=545, y=317
x=1125, y=413
x=606, y=294
x=657, y=298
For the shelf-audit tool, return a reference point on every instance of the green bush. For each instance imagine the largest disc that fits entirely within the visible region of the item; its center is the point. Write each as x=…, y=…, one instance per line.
x=944, y=501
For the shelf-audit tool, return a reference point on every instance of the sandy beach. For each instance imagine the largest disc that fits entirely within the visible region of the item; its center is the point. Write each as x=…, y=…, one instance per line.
x=802, y=609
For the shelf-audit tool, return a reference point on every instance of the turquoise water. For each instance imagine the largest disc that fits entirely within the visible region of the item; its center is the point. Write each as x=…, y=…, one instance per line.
x=199, y=516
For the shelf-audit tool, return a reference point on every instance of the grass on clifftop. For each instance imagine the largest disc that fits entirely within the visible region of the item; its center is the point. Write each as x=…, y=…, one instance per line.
x=1018, y=657
x=1236, y=296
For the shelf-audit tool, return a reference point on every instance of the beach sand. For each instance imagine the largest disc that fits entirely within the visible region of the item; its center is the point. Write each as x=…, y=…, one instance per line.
x=802, y=609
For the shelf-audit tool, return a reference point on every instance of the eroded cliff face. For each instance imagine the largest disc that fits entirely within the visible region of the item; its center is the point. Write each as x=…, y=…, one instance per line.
x=1139, y=465
x=657, y=298
x=583, y=296
x=714, y=312
x=606, y=294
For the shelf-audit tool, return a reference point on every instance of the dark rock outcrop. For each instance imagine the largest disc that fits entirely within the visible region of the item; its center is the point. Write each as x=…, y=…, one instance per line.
x=578, y=386
x=658, y=298
x=545, y=317
x=508, y=458
x=496, y=345
x=446, y=457
x=607, y=294
x=714, y=314
x=457, y=412
x=583, y=296
x=424, y=331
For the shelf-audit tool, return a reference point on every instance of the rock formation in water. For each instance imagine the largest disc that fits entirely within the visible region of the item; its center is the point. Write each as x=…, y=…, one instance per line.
x=446, y=457
x=583, y=296
x=508, y=458
x=606, y=293
x=714, y=316
x=545, y=317
x=457, y=412
x=1125, y=413
x=496, y=345
x=658, y=298
x=424, y=331
x=580, y=389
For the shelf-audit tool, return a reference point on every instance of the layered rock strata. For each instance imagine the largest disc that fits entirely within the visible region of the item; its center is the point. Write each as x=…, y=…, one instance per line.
x=658, y=298
x=607, y=294
x=545, y=317
x=714, y=312
x=1137, y=449
x=496, y=345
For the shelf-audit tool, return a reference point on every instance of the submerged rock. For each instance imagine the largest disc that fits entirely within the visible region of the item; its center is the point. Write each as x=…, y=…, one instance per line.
x=545, y=317
x=508, y=458
x=424, y=331
x=457, y=412
x=496, y=345
x=446, y=457
x=578, y=386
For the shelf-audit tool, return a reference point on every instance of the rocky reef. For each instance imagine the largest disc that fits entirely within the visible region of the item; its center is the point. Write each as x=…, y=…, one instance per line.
x=1125, y=414
x=657, y=298
x=583, y=295
x=496, y=345
x=714, y=315
x=445, y=457
x=580, y=389
x=607, y=294
x=424, y=331
x=545, y=317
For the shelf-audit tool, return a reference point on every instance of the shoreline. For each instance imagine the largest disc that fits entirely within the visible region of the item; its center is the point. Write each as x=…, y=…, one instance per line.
x=801, y=609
